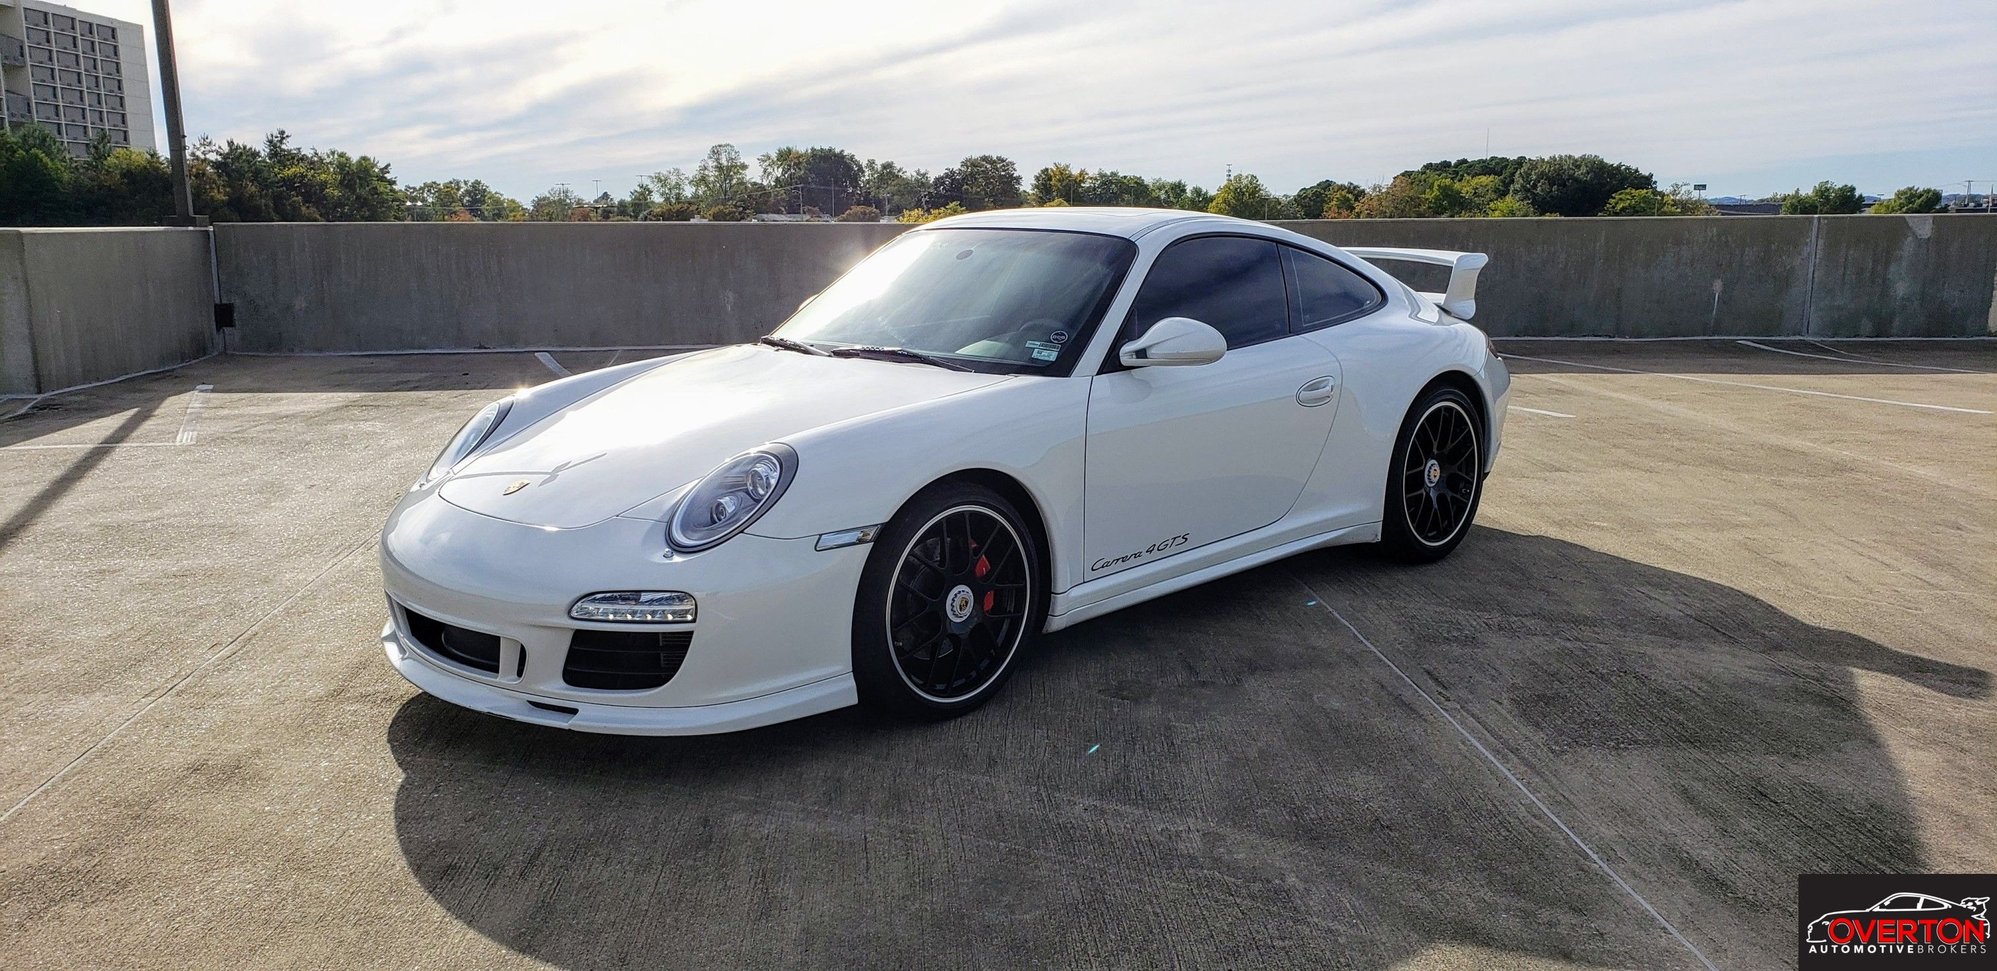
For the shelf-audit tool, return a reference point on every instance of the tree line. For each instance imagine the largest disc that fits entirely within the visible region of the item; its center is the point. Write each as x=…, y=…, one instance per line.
x=42, y=184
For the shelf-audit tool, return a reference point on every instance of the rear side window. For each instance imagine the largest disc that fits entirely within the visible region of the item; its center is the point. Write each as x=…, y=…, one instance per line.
x=1325, y=293
x=1230, y=283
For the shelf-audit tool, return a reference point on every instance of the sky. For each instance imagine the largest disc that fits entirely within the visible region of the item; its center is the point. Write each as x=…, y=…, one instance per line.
x=1749, y=97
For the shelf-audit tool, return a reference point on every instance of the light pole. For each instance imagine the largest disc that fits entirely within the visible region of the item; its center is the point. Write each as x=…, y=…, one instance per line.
x=176, y=133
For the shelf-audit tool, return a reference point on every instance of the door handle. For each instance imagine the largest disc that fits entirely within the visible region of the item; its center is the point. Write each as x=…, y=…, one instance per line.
x=1317, y=391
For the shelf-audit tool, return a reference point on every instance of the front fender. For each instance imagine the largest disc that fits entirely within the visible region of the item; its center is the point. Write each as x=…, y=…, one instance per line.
x=859, y=472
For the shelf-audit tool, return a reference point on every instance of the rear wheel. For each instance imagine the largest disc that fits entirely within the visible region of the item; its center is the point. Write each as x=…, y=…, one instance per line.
x=1435, y=479
x=950, y=597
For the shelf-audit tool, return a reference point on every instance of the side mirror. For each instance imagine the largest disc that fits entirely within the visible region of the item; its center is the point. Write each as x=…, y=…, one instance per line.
x=1174, y=342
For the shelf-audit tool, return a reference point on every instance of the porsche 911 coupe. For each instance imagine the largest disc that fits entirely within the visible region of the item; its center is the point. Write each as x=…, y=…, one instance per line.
x=996, y=426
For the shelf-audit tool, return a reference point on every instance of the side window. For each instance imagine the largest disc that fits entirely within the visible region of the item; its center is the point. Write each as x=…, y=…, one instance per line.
x=1231, y=283
x=1326, y=293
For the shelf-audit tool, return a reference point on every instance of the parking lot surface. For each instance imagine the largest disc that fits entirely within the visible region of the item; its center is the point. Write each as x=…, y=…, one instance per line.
x=1726, y=618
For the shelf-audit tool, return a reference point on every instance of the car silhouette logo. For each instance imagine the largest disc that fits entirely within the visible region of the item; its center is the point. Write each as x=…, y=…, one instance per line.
x=1906, y=918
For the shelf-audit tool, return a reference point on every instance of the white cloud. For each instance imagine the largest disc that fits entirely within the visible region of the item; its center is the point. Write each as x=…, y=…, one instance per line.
x=524, y=95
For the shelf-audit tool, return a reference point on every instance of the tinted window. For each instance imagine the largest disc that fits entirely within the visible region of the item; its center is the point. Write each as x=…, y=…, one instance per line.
x=1327, y=293
x=1233, y=284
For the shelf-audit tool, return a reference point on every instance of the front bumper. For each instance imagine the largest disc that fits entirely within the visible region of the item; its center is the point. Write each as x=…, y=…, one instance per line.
x=771, y=640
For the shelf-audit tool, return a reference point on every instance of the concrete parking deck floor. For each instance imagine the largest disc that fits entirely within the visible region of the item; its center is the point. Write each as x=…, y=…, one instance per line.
x=1726, y=618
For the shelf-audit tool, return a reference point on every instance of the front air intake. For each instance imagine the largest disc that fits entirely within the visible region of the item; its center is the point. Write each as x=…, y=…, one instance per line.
x=473, y=649
x=615, y=660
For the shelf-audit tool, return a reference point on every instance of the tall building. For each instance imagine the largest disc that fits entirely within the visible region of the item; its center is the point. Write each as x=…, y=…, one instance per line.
x=77, y=74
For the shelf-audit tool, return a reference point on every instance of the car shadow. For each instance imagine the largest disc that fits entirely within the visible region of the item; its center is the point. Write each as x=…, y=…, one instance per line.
x=1222, y=777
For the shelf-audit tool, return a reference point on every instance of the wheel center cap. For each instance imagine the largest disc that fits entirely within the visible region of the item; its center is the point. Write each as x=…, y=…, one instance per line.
x=1432, y=473
x=958, y=604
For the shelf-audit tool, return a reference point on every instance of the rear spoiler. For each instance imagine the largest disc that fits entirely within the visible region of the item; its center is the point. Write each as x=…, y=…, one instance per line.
x=1460, y=299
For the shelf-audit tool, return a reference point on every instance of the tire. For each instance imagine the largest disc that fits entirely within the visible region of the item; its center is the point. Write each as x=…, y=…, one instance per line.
x=954, y=580
x=1435, y=478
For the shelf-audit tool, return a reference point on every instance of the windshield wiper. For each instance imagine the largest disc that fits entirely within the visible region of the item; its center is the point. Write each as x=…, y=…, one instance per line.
x=897, y=353
x=791, y=345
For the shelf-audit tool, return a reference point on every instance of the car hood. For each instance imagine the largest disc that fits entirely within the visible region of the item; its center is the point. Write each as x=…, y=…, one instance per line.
x=637, y=441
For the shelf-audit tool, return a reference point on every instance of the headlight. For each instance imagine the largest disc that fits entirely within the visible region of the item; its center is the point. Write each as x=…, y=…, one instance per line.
x=468, y=439
x=731, y=497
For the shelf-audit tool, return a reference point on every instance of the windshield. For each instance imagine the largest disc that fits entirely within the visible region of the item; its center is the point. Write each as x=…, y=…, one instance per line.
x=1016, y=300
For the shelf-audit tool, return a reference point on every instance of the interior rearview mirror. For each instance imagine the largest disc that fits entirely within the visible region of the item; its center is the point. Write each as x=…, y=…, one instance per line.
x=1174, y=342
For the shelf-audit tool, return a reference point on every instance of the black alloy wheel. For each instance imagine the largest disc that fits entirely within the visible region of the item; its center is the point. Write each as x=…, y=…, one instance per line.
x=949, y=597
x=1436, y=479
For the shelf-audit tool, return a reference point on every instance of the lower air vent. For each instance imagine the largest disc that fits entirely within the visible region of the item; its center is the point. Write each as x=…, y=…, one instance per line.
x=467, y=647
x=615, y=660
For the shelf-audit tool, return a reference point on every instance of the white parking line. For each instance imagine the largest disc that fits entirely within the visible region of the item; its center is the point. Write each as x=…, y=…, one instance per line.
x=1855, y=359
x=553, y=365
x=1544, y=809
x=195, y=402
x=173, y=687
x=1538, y=411
x=185, y=436
x=1757, y=387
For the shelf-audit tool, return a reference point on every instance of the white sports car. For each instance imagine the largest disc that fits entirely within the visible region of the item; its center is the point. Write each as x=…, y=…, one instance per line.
x=995, y=426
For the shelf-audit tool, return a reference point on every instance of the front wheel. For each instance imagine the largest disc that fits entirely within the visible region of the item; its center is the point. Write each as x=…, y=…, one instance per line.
x=950, y=598
x=1435, y=478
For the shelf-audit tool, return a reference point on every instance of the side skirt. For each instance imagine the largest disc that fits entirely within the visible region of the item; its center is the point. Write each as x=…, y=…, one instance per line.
x=1090, y=600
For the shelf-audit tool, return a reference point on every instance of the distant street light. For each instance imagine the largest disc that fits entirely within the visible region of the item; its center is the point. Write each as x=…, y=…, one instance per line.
x=176, y=131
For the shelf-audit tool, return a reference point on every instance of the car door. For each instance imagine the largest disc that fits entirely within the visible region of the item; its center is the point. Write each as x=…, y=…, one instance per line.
x=1340, y=310
x=1179, y=457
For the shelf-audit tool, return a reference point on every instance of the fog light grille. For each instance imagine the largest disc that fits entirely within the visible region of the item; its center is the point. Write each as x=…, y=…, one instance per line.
x=615, y=660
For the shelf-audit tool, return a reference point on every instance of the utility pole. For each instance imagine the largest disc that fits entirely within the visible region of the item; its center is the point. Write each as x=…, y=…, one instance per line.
x=176, y=132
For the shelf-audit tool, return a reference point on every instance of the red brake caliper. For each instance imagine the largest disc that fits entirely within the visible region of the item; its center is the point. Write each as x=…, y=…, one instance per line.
x=979, y=569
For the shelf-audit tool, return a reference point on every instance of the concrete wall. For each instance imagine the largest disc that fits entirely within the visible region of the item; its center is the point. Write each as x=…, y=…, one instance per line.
x=84, y=305
x=410, y=286
x=1828, y=276
x=367, y=287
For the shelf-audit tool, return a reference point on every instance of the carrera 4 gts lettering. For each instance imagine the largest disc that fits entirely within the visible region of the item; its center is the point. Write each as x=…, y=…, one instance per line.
x=1154, y=549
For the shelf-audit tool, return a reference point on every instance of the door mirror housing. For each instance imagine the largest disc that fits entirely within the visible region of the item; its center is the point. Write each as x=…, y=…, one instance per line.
x=1174, y=342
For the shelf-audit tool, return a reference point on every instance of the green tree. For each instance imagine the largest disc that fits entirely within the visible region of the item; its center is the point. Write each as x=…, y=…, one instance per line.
x=1826, y=199
x=981, y=182
x=1509, y=207
x=931, y=215
x=1574, y=185
x=833, y=179
x=1245, y=196
x=670, y=185
x=1176, y=194
x=891, y=187
x=554, y=205
x=1504, y=169
x=1060, y=181
x=1342, y=202
x=1314, y=201
x=727, y=213
x=1638, y=202
x=360, y=190
x=722, y=176
x=1111, y=188
x=1404, y=198
x=122, y=187
x=34, y=178
x=1912, y=199
x=672, y=212
x=1676, y=201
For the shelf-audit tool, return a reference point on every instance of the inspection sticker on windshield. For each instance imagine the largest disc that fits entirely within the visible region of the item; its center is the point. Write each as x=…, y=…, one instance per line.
x=1043, y=351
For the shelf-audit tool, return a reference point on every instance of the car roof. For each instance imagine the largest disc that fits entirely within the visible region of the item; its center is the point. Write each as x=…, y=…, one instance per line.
x=1128, y=222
